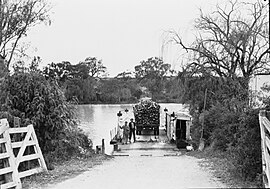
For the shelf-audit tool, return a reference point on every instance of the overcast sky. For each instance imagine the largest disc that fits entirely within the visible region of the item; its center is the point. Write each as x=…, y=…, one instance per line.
x=120, y=32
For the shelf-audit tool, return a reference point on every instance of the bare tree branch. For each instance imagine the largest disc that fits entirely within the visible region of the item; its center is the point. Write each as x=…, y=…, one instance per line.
x=16, y=18
x=229, y=43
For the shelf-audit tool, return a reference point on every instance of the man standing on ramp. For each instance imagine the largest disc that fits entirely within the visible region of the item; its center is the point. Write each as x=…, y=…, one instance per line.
x=132, y=130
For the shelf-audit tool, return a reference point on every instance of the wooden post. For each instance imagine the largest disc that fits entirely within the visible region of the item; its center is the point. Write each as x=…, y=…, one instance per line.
x=37, y=150
x=202, y=142
x=103, y=147
x=263, y=147
x=115, y=147
x=13, y=178
x=15, y=173
x=97, y=150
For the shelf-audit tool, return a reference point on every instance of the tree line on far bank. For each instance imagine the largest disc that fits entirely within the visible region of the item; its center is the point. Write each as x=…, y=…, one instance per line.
x=85, y=82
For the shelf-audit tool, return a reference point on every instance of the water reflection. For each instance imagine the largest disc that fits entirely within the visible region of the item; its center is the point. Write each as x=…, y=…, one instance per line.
x=98, y=120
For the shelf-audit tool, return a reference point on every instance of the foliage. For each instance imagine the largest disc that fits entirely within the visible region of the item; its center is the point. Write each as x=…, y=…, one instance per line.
x=79, y=83
x=151, y=68
x=229, y=125
x=227, y=92
x=119, y=90
x=151, y=74
x=235, y=133
x=58, y=71
x=246, y=153
x=16, y=18
x=3, y=68
x=124, y=75
x=228, y=49
x=266, y=98
x=41, y=102
x=83, y=90
x=95, y=66
x=227, y=43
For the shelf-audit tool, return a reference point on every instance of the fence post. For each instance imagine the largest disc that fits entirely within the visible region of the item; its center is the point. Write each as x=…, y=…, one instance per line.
x=265, y=146
x=103, y=147
x=12, y=162
x=12, y=180
x=262, y=114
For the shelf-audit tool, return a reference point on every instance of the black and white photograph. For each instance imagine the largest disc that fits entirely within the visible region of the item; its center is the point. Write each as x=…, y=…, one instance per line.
x=134, y=94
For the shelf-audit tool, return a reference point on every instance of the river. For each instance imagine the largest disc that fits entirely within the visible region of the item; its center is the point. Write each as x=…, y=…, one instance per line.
x=98, y=120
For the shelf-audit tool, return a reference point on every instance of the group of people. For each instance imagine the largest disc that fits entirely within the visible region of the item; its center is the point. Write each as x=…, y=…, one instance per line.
x=128, y=131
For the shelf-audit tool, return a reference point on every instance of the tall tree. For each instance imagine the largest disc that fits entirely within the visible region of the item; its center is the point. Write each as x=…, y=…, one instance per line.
x=95, y=66
x=151, y=68
x=16, y=18
x=151, y=73
x=59, y=71
x=231, y=41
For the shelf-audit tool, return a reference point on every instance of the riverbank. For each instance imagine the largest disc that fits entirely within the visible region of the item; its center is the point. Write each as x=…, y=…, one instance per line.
x=170, y=101
x=64, y=171
x=222, y=168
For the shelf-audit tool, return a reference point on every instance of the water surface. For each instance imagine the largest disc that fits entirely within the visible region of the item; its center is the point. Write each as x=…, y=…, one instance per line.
x=98, y=120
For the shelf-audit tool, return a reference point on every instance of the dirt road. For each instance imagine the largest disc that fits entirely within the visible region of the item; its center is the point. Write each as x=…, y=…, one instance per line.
x=156, y=164
x=148, y=170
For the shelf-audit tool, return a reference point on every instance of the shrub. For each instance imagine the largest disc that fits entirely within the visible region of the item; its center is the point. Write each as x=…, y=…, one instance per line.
x=220, y=126
x=246, y=154
x=41, y=102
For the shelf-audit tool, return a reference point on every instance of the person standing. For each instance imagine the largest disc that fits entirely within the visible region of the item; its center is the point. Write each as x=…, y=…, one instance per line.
x=126, y=131
x=132, y=130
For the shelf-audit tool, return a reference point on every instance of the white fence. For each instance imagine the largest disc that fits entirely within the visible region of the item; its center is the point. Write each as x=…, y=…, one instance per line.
x=15, y=149
x=265, y=144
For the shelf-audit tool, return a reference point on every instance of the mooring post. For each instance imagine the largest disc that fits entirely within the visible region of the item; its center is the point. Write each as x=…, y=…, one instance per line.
x=115, y=147
x=97, y=149
x=103, y=147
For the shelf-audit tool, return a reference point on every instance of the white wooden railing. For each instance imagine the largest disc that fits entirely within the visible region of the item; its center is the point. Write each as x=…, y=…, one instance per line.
x=9, y=169
x=265, y=145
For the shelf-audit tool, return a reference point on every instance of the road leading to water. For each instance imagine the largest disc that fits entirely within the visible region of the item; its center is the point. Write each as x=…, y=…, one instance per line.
x=143, y=168
x=139, y=172
x=156, y=164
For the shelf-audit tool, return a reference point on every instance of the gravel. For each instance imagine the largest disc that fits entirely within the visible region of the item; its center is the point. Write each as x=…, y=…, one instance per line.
x=141, y=171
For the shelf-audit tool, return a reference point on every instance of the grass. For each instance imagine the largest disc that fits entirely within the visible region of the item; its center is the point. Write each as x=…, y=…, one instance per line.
x=63, y=171
x=222, y=168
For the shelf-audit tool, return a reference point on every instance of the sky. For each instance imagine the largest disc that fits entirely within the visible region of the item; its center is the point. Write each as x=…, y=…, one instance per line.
x=120, y=32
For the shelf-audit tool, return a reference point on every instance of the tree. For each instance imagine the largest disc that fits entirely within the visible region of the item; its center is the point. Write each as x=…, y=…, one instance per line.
x=226, y=92
x=95, y=66
x=21, y=66
x=16, y=18
x=124, y=75
x=36, y=100
x=151, y=74
x=59, y=71
x=73, y=79
x=3, y=68
x=227, y=43
x=151, y=68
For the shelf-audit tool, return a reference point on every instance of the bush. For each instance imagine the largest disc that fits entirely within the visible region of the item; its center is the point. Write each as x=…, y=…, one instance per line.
x=246, y=154
x=220, y=126
x=41, y=102
x=235, y=133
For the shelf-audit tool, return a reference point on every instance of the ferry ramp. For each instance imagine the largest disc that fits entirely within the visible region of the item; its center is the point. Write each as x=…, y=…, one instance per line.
x=148, y=163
